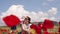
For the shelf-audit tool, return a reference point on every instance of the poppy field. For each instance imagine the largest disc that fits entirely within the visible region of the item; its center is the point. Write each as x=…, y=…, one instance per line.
x=6, y=30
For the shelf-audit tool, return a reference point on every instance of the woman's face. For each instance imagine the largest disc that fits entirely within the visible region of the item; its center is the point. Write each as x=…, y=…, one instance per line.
x=26, y=21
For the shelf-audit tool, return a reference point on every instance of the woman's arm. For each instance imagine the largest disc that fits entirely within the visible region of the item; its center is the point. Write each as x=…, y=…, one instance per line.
x=24, y=27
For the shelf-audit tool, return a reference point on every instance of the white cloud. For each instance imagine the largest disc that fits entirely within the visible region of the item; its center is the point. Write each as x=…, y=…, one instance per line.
x=52, y=18
x=2, y=23
x=19, y=11
x=52, y=11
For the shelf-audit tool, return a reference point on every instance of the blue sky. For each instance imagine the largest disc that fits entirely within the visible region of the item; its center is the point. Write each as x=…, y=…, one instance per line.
x=31, y=5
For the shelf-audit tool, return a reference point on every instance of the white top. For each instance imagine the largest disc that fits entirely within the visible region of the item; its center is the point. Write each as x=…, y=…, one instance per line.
x=26, y=27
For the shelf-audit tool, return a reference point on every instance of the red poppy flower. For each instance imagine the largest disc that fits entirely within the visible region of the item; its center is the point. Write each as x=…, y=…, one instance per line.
x=11, y=20
x=2, y=30
x=59, y=27
x=30, y=33
x=39, y=28
x=59, y=23
x=12, y=32
x=45, y=32
x=34, y=27
x=48, y=24
x=23, y=32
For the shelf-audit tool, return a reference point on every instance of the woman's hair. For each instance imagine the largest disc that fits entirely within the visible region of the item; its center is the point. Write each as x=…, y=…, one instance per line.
x=28, y=18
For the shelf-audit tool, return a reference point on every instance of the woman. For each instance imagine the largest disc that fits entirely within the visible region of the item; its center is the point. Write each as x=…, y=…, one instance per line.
x=26, y=25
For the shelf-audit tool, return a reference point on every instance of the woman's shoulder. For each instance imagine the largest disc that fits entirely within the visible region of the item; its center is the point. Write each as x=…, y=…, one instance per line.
x=23, y=24
x=30, y=24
